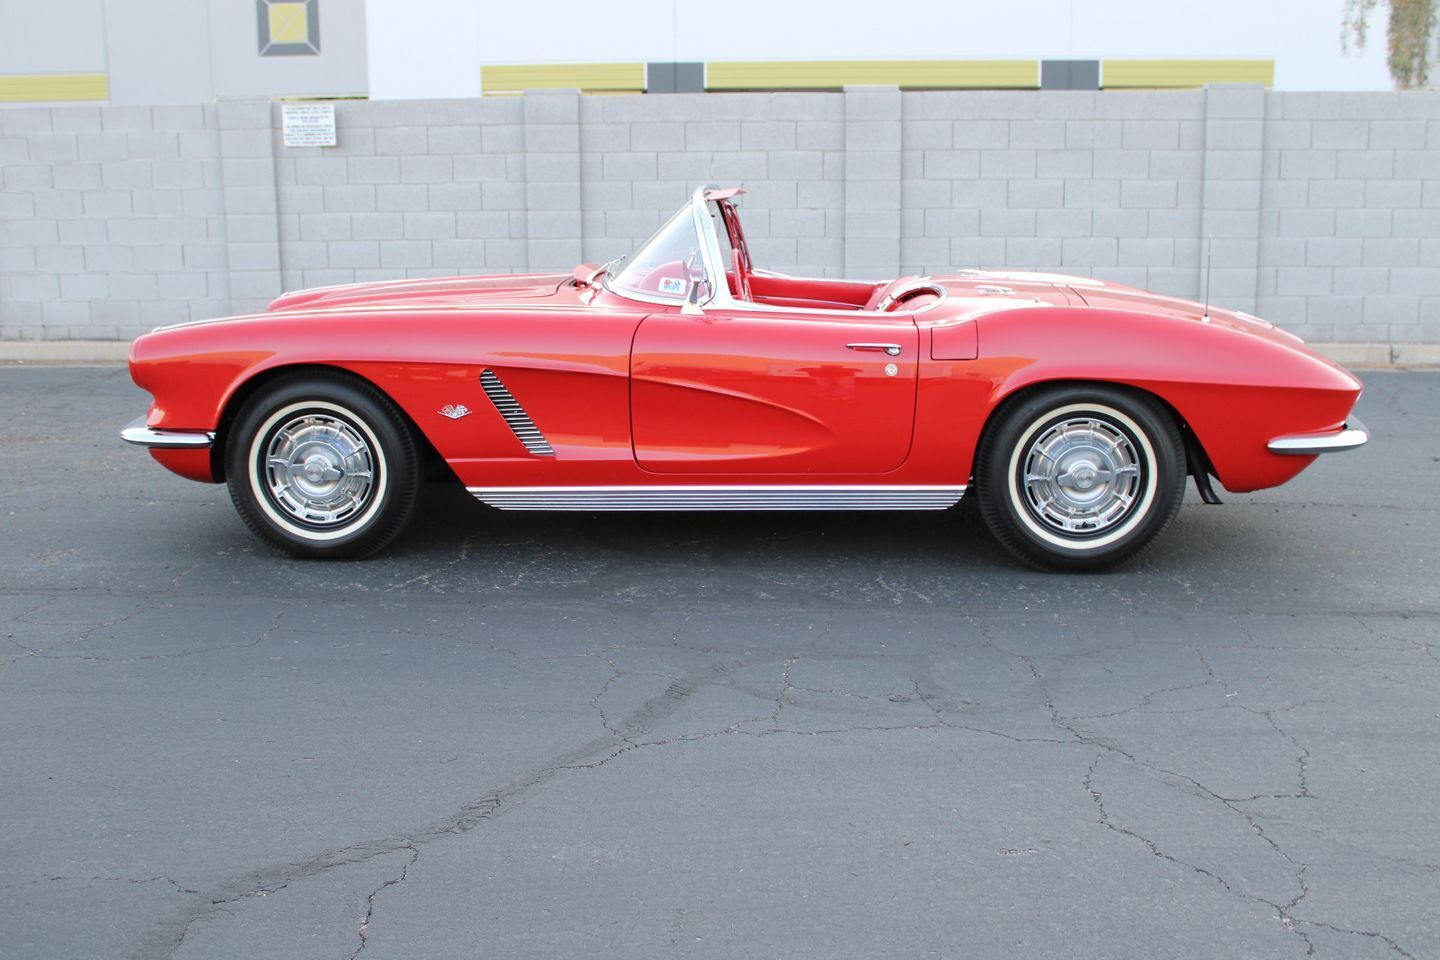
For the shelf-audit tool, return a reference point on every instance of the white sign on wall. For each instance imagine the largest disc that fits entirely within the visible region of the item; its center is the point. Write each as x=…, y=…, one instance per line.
x=308, y=124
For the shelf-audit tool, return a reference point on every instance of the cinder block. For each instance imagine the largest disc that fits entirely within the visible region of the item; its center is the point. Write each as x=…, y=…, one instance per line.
x=1390, y=252
x=35, y=287
x=1307, y=164
x=465, y=254
x=952, y=164
x=1303, y=281
x=1007, y=164
x=1397, y=134
x=373, y=170
x=1150, y=135
x=927, y=134
x=872, y=165
x=1148, y=194
x=714, y=135
x=403, y=198
x=245, y=143
x=1389, y=309
x=430, y=226
x=1392, y=193
x=551, y=138
x=354, y=254
x=551, y=106
x=1361, y=281
x=1246, y=134
x=1332, y=252
x=1232, y=164
x=1367, y=165
x=503, y=138
x=324, y=226
x=24, y=121
x=456, y=140
x=1139, y=252
x=53, y=148
x=1090, y=251
x=768, y=135
x=630, y=166
x=1037, y=134
x=813, y=135
x=1063, y=223
x=653, y=136
x=1033, y=252
x=321, y=171
x=405, y=253
x=471, y=167
x=1123, y=164
x=1007, y=223
x=1337, y=193
x=1126, y=223
x=1036, y=194
x=377, y=226
x=1416, y=223
x=795, y=165
x=455, y=196
x=363, y=199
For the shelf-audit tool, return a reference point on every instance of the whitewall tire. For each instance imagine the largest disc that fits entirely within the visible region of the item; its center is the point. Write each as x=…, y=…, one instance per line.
x=322, y=465
x=1080, y=477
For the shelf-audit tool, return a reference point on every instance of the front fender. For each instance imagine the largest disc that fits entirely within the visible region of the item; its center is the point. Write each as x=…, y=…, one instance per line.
x=1236, y=389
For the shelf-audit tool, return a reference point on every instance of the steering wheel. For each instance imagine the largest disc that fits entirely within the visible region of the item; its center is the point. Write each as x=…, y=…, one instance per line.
x=894, y=298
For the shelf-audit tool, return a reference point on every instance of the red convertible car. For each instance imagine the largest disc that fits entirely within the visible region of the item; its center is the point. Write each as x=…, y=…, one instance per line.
x=684, y=378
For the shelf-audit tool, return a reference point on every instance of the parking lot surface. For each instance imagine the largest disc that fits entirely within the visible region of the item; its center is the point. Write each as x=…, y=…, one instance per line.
x=829, y=736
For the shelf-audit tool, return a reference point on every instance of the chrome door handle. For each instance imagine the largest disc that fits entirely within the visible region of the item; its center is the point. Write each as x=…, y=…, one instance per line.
x=893, y=349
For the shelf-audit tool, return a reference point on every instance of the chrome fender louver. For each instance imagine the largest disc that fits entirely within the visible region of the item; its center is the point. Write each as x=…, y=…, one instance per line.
x=514, y=415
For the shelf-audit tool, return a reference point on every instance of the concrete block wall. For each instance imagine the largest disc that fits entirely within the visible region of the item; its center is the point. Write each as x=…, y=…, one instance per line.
x=1319, y=211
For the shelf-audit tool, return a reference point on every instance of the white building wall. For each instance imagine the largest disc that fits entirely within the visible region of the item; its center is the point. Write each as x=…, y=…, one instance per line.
x=434, y=48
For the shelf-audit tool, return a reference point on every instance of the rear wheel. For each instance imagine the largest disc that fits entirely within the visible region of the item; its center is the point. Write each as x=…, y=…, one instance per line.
x=322, y=465
x=1080, y=477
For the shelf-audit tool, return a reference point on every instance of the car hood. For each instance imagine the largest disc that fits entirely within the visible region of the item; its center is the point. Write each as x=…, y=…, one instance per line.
x=424, y=292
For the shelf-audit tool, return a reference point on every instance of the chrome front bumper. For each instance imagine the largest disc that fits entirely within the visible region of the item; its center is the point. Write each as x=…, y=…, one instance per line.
x=1351, y=435
x=138, y=433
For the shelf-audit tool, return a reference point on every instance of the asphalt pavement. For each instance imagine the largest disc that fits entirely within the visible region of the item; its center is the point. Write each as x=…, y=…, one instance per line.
x=722, y=736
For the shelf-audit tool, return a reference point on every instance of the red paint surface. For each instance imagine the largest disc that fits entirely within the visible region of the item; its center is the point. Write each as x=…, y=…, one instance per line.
x=637, y=393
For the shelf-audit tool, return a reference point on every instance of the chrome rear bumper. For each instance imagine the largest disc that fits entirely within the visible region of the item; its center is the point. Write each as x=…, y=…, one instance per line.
x=1353, y=434
x=138, y=433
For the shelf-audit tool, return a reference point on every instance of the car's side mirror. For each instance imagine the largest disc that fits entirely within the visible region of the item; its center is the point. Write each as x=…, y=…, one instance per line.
x=692, y=299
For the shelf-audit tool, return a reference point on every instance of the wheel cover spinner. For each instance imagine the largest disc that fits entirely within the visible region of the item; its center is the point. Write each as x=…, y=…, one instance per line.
x=1081, y=476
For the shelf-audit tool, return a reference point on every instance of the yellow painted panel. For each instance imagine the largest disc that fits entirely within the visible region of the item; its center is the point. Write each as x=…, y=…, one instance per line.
x=289, y=23
x=1184, y=73
x=28, y=88
x=540, y=76
x=832, y=74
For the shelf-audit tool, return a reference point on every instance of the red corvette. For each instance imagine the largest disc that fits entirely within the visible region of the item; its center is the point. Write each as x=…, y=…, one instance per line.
x=683, y=378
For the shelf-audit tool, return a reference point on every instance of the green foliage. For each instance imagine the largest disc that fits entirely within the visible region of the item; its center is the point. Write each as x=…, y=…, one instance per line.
x=1410, y=36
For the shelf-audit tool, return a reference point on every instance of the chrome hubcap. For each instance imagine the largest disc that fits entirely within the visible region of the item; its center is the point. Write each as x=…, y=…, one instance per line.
x=1082, y=475
x=319, y=469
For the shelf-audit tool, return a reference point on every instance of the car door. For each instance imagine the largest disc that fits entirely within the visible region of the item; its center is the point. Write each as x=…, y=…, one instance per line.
x=742, y=391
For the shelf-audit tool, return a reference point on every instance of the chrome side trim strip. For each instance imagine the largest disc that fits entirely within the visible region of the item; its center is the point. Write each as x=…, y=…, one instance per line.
x=701, y=497
x=1350, y=436
x=138, y=433
x=515, y=416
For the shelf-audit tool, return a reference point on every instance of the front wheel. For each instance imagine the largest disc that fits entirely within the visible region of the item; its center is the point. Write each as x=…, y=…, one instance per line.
x=322, y=465
x=1080, y=477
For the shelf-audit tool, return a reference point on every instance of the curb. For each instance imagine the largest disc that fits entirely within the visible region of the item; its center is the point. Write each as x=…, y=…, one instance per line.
x=84, y=352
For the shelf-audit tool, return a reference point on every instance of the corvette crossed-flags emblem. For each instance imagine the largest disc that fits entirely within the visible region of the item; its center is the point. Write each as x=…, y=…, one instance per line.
x=454, y=411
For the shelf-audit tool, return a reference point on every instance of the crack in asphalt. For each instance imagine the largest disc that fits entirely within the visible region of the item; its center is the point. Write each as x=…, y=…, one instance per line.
x=364, y=931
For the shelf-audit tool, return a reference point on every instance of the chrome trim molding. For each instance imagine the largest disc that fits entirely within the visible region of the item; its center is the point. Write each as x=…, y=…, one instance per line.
x=1350, y=436
x=699, y=497
x=138, y=433
x=515, y=416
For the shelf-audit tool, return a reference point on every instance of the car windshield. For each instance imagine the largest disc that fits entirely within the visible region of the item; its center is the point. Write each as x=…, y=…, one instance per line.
x=664, y=264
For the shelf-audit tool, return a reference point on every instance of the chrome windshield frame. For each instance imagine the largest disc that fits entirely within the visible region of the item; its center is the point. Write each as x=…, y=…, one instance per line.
x=719, y=296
